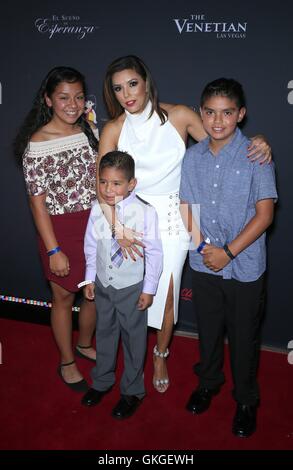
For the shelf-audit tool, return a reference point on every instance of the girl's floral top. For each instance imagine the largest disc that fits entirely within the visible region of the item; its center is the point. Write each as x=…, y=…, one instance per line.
x=64, y=169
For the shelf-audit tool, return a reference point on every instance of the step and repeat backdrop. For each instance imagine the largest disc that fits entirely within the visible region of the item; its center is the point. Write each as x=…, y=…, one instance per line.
x=185, y=44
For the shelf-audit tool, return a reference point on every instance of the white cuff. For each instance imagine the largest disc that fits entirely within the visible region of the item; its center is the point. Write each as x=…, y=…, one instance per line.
x=84, y=283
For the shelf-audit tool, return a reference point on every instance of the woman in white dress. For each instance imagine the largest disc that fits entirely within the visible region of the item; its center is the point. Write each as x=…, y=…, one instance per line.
x=155, y=135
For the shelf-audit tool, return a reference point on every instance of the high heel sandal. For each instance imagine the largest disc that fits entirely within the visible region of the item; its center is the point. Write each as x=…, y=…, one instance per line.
x=161, y=385
x=80, y=386
x=80, y=354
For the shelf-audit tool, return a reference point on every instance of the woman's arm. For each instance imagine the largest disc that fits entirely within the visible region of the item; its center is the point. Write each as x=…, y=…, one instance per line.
x=194, y=125
x=108, y=138
x=59, y=263
x=107, y=143
x=188, y=122
x=125, y=237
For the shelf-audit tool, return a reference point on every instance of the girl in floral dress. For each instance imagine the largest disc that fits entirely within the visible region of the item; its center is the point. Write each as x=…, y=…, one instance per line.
x=58, y=150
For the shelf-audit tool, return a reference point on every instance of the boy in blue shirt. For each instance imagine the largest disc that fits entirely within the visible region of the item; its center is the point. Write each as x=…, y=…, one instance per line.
x=236, y=199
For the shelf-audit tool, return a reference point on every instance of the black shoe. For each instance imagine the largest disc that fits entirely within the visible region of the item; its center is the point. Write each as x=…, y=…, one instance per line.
x=200, y=400
x=126, y=406
x=81, y=386
x=81, y=355
x=93, y=397
x=244, y=422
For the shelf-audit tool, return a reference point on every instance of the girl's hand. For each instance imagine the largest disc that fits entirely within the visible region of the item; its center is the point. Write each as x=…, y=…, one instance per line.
x=259, y=149
x=59, y=264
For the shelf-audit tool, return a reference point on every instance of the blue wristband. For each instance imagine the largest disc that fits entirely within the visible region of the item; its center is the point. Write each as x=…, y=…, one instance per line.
x=201, y=246
x=55, y=250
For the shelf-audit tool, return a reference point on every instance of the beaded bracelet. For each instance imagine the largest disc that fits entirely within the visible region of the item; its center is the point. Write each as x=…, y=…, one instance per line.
x=201, y=246
x=113, y=229
x=55, y=250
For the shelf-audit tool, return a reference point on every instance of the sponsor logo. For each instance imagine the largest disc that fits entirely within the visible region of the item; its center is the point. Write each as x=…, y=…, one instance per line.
x=220, y=29
x=186, y=294
x=64, y=25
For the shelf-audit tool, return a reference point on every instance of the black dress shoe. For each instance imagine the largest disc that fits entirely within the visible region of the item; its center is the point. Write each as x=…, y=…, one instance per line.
x=93, y=397
x=126, y=406
x=244, y=422
x=200, y=400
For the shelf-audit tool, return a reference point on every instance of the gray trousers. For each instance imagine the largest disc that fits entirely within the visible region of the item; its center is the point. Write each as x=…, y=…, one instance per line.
x=117, y=314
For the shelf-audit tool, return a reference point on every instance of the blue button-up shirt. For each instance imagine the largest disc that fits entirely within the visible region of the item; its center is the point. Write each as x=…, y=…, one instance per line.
x=227, y=187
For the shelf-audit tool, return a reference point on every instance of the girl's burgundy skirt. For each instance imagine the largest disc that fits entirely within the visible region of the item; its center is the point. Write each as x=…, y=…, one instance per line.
x=69, y=229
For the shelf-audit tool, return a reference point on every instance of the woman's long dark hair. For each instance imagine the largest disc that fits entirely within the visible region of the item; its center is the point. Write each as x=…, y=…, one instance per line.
x=41, y=114
x=134, y=63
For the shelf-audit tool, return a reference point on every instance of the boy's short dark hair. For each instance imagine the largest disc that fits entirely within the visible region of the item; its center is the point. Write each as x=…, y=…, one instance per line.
x=119, y=160
x=227, y=87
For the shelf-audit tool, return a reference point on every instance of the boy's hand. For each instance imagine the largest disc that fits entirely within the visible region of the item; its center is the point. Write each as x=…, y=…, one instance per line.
x=89, y=291
x=144, y=301
x=214, y=258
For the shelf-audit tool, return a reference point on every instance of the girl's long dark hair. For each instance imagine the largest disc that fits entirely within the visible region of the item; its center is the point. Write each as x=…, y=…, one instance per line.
x=41, y=114
x=134, y=63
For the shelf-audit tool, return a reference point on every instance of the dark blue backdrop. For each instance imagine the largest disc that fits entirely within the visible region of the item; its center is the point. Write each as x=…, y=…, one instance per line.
x=185, y=44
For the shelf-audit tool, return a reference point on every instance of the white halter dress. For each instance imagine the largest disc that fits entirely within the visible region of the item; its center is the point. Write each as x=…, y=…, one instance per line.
x=158, y=152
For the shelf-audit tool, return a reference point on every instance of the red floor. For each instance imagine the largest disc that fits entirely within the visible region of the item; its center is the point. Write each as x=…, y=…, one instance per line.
x=38, y=412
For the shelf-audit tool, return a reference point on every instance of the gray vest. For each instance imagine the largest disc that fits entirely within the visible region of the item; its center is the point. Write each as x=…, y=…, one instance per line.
x=129, y=272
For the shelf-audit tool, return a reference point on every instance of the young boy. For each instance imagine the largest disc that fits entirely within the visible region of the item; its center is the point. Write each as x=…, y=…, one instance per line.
x=236, y=200
x=123, y=289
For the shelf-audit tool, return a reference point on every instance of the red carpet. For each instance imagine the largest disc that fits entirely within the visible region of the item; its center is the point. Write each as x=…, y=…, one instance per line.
x=39, y=412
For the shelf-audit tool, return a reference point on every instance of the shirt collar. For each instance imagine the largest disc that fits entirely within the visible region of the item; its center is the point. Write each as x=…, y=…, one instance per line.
x=228, y=148
x=120, y=205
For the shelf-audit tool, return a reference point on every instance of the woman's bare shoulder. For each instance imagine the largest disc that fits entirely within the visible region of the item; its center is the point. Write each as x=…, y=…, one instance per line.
x=110, y=135
x=167, y=106
x=177, y=111
x=176, y=108
x=114, y=126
